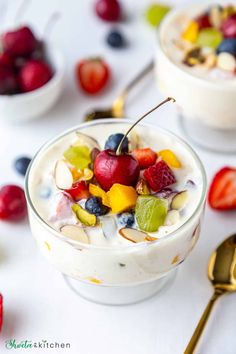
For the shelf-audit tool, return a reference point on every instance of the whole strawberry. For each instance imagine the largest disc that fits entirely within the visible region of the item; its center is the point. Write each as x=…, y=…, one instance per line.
x=20, y=42
x=8, y=81
x=34, y=74
x=159, y=176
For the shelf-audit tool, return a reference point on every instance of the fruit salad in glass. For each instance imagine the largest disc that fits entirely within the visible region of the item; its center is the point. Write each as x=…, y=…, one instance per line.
x=116, y=217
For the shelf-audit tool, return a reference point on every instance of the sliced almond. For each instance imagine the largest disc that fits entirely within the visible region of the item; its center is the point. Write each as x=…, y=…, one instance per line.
x=180, y=200
x=135, y=236
x=63, y=176
x=84, y=139
x=75, y=233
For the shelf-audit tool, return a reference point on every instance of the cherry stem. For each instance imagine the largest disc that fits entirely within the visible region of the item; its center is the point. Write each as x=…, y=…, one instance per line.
x=53, y=19
x=21, y=10
x=119, y=149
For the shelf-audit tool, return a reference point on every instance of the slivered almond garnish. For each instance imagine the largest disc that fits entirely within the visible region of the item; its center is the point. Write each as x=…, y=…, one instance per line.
x=180, y=200
x=75, y=233
x=63, y=176
x=135, y=236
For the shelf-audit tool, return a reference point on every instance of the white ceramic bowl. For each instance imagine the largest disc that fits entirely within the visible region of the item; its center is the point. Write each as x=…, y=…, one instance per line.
x=212, y=104
x=26, y=106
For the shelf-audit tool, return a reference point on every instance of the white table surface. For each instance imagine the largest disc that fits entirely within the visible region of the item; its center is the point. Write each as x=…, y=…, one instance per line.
x=37, y=303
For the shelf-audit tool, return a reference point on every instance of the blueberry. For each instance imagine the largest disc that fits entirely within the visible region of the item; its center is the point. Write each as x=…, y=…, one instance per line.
x=114, y=140
x=126, y=219
x=21, y=164
x=94, y=206
x=227, y=45
x=115, y=39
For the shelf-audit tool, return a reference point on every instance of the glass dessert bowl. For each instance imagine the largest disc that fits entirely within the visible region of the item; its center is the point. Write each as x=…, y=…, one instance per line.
x=117, y=243
x=196, y=63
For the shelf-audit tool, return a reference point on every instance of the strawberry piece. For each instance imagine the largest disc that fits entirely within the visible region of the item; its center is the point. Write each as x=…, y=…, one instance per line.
x=34, y=74
x=222, y=192
x=92, y=75
x=8, y=81
x=203, y=21
x=159, y=176
x=1, y=311
x=20, y=42
x=146, y=157
x=6, y=60
x=79, y=191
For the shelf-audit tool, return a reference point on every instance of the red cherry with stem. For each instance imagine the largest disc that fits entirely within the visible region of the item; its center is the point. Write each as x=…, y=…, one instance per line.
x=12, y=203
x=115, y=167
x=108, y=10
x=20, y=42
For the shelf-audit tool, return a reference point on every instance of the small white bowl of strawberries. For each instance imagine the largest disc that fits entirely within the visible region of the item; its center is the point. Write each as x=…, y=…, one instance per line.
x=31, y=75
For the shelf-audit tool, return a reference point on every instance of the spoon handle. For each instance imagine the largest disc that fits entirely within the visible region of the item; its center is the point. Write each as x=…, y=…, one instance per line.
x=202, y=323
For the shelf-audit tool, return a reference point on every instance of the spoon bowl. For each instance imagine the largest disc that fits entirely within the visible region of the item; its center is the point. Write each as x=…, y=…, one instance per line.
x=222, y=274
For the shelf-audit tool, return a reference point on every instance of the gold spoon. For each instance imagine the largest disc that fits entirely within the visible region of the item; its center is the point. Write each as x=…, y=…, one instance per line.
x=222, y=274
x=117, y=108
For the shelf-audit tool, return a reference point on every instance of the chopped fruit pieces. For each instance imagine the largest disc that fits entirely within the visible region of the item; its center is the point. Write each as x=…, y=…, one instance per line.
x=96, y=191
x=34, y=74
x=126, y=219
x=1, y=311
x=228, y=27
x=146, y=157
x=209, y=37
x=92, y=75
x=75, y=233
x=95, y=280
x=142, y=187
x=114, y=140
x=77, y=174
x=87, y=174
x=12, y=203
x=170, y=158
x=135, y=235
x=203, y=21
x=227, y=45
x=191, y=32
x=150, y=212
x=78, y=156
x=79, y=190
x=180, y=200
x=121, y=197
x=155, y=13
x=226, y=61
x=110, y=168
x=159, y=176
x=222, y=193
x=63, y=175
x=84, y=216
x=94, y=206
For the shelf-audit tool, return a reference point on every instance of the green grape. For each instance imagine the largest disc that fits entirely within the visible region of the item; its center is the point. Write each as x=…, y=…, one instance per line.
x=78, y=156
x=150, y=212
x=155, y=13
x=209, y=37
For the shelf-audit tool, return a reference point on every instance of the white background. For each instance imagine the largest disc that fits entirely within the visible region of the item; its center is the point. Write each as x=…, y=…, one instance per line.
x=38, y=304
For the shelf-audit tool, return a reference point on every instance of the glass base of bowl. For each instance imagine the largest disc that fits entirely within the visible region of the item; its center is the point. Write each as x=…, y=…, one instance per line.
x=119, y=294
x=215, y=140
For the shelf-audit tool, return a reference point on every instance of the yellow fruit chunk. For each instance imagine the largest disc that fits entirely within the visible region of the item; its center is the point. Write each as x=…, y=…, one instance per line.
x=191, y=32
x=99, y=192
x=94, y=280
x=121, y=197
x=170, y=158
x=77, y=174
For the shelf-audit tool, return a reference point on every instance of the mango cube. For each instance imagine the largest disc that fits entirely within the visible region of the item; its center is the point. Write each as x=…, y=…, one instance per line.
x=191, y=32
x=99, y=192
x=121, y=197
x=170, y=158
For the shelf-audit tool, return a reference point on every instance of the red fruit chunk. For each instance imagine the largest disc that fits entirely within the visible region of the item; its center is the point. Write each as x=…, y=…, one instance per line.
x=146, y=157
x=92, y=75
x=8, y=81
x=110, y=168
x=20, y=42
x=34, y=74
x=6, y=60
x=228, y=27
x=222, y=192
x=159, y=176
x=1, y=311
x=108, y=10
x=12, y=203
x=79, y=191
x=203, y=21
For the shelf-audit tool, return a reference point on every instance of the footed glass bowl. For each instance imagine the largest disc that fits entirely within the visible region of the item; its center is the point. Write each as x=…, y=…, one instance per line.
x=125, y=273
